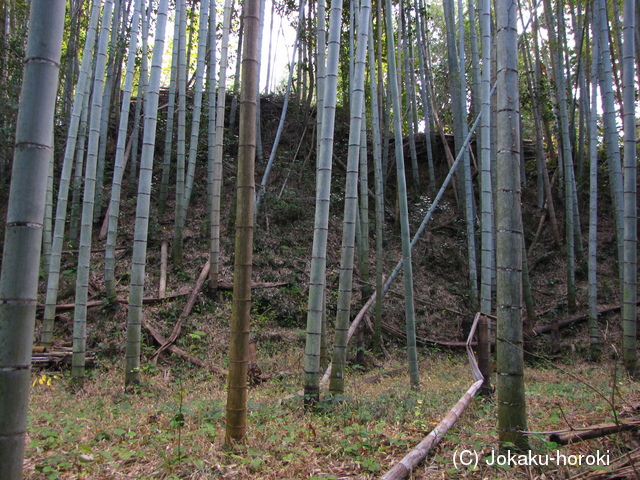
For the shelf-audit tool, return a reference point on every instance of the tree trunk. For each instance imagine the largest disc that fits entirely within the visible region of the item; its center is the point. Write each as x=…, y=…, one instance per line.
x=23, y=231
x=317, y=279
x=336, y=385
x=629, y=290
x=86, y=227
x=510, y=365
x=138, y=263
x=412, y=351
x=241, y=313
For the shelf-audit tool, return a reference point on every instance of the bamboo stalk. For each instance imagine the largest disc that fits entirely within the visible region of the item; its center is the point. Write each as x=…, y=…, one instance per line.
x=576, y=319
x=419, y=453
x=593, y=431
x=162, y=288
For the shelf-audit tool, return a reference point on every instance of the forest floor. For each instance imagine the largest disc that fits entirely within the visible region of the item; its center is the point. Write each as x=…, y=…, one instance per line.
x=172, y=426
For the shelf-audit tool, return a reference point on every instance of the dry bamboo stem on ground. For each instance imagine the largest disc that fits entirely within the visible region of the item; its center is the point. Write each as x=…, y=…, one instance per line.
x=576, y=319
x=229, y=285
x=99, y=303
x=181, y=353
x=626, y=466
x=419, y=453
x=185, y=311
x=593, y=431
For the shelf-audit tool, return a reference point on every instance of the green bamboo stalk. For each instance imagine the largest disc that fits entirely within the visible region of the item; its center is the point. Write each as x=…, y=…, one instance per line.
x=216, y=175
x=486, y=197
x=317, y=279
x=78, y=111
x=594, y=331
x=345, y=287
x=412, y=352
x=23, y=230
x=181, y=142
x=197, y=103
x=120, y=160
x=211, y=85
x=510, y=364
x=141, y=96
x=379, y=204
x=611, y=137
x=630, y=286
x=86, y=225
x=138, y=262
x=171, y=110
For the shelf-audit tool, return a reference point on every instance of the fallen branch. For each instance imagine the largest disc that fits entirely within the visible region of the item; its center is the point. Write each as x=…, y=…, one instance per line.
x=65, y=307
x=181, y=353
x=93, y=250
x=593, y=431
x=419, y=453
x=229, y=285
x=626, y=466
x=186, y=311
x=380, y=376
x=423, y=341
x=576, y=319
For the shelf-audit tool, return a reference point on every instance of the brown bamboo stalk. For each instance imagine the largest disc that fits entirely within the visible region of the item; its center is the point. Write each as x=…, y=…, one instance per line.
x=576, y=319
x=484, y=355
x=593, y=431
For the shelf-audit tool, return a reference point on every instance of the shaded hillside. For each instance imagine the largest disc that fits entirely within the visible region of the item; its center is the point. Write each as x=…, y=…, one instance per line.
x=284, y=235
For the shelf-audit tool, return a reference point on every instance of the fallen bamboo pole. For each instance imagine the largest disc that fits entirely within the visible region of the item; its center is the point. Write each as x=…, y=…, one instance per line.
x=185, y=311
x=593, y=431
x=99, y=303
x=181, y=353
x=419, y=453
x=576, y=319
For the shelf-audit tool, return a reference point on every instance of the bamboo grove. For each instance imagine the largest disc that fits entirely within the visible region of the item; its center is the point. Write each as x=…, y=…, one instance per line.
x=565, y=74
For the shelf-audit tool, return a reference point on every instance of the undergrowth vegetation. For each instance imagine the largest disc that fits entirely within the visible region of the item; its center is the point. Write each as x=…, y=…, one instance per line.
x=173, y=426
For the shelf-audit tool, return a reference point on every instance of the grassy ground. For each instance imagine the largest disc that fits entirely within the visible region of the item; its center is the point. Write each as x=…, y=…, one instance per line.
x=173, y=427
